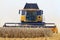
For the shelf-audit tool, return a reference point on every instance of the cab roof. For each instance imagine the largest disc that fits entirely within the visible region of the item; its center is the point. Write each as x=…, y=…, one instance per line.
x=31, y=6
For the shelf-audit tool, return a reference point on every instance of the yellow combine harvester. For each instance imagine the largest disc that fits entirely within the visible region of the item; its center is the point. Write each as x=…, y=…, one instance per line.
x=32, y=17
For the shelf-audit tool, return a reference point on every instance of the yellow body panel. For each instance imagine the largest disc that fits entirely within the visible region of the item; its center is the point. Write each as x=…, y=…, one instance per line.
x=23, y=18
x=54, y=30
x=39, y=18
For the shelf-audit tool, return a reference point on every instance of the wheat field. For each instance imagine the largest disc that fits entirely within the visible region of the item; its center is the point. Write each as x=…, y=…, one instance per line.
x=55, y=37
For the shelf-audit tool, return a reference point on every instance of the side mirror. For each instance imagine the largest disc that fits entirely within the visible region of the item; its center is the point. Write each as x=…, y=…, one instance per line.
x=19, y=11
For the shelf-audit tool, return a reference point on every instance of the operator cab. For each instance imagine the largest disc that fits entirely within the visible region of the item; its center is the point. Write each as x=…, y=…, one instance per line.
x=31, y=13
